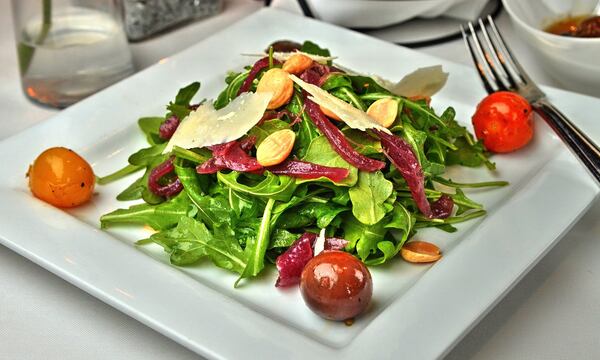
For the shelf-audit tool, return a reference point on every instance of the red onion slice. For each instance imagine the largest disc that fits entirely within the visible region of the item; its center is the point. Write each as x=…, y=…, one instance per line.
x=333, y=243
x=256, y=68
x=307, y=170
x=402, y=156
x=168, y=127
x=337, y=140
x=442, y=208
x=291, y=263
x=230, y=155
x=168, y=190
x=335, y=137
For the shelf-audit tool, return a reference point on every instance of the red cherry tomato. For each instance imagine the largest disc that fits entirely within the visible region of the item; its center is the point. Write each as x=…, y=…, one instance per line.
x=336, y=285
x=61, y=177
x=504, y=121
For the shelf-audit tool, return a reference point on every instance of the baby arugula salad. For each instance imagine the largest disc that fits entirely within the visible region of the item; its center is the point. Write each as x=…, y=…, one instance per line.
x=298, y=154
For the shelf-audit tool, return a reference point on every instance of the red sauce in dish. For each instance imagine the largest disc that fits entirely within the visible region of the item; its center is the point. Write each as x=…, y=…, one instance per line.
x=576, y=26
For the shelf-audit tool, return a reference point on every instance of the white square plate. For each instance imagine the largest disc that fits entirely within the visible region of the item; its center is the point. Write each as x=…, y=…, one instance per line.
x=417, y=311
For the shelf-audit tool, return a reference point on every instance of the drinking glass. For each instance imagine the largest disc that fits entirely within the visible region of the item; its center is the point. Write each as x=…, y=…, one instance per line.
x=69, y=49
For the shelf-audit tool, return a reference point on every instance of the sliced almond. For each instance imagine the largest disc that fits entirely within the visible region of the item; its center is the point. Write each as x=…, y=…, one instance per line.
x=384, y=111
x=420, y=252
x=275, y=148
x=297, y=63
x=277, y=82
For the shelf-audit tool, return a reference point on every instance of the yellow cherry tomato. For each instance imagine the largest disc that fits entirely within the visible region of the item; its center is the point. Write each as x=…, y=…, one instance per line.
x=61, y=177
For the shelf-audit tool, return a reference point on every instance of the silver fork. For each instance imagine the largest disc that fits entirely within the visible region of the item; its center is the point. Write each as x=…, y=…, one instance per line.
x=500, y=71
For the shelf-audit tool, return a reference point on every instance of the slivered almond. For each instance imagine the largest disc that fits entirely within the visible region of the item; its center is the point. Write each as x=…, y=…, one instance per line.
x=384, y=111
x=275, y=148
x=279, y=83
x=420, y=252
x=297, y=63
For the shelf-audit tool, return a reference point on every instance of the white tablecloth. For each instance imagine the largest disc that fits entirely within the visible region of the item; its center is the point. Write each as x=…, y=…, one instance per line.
x=553, y=313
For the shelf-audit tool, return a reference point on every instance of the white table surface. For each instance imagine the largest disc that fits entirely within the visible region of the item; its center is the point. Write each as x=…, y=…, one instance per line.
x=553, y=313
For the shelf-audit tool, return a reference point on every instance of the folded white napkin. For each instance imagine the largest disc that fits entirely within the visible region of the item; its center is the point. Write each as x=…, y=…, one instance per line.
x=379, y=13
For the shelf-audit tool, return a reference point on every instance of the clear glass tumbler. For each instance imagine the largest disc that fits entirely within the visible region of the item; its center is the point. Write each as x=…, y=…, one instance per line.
x=69, y=49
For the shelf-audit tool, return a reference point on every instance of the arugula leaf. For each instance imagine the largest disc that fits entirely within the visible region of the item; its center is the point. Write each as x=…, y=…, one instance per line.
x=234, y=82
x=306, y=131
x=147, y=156
x=335, y=81
x=369, y=195
x=272, y=186
x=151, y=124
x=299, y=196
x=243, y=205
x=186, y=94
x=416, y=139
x=450, y=183
x=134, y=191
x=151, y=198
x=321, y=214
x=267, y=128
x=310, y=47
x=197, y=156
x=119, y=174
x=181, y=106
x=348, y=95
x=282, y=239
x=159, y=217
x=139, y=188
x=320, y=152
x=373, y=243
x=425, y=110
x=150, y=127
x=402, y=222
x=363, y=142
x=246, y=230
x=255, y=251
x=423, y=222
x=468, y=155
x=363, y=238
x=196, y=185
x=214, y=211
x=191, y=240
x=463, y=202
x=366, y=85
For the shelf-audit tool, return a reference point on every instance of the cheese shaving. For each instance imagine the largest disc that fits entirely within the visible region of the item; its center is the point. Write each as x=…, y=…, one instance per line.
x=353, y=117
x=207, y=126
x=319, y=243
x=283, y=56
x=423, y=82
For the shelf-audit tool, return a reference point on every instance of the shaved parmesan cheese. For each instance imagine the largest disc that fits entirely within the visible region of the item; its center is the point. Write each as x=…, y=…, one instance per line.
x=207, y=126
x=353, y=117
x=283, y=56
x=423, y=82
x=319, y=243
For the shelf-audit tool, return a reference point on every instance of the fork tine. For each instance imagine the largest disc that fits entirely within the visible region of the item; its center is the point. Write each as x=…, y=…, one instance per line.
x=480, y=70
x=481, y=54
x=505, y=55
x=494, y=59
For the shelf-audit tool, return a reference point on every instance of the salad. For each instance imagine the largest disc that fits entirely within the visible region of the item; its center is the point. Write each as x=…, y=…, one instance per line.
x=298, y=154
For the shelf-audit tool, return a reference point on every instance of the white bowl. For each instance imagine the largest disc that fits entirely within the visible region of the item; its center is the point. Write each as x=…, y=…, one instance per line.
x=573, y=62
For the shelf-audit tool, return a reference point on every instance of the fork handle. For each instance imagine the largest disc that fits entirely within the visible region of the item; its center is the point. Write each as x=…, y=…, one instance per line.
x=581, y=145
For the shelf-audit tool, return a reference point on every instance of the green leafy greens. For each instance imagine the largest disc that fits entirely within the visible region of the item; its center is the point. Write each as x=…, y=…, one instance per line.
x=243, y=221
